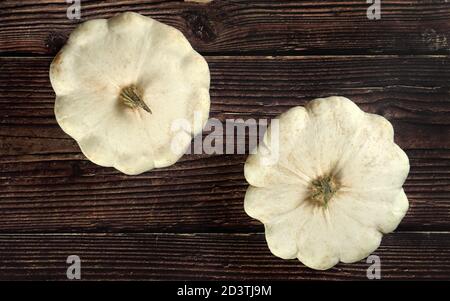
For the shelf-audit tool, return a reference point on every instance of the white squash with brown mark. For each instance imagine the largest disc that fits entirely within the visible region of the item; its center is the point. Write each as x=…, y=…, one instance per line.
x=121, y=83
x=336, y=187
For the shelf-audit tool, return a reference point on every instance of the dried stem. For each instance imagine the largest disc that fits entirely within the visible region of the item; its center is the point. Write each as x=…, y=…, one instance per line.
x=132, y=97
x=322, y=190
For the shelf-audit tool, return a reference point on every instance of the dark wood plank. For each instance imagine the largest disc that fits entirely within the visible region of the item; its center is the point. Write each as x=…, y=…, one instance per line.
x=200, y=194
x=243, y=26
x=416, y=255
x=47, y=185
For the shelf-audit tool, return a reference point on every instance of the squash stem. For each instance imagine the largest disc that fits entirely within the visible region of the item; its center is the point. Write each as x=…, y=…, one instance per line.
x=322, y=190
x=131, y=97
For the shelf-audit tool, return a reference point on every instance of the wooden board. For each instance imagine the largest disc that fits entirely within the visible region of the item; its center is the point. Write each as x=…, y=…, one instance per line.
x=161, y=256
x=243, y=26
x=48, y=186
x=187, y=221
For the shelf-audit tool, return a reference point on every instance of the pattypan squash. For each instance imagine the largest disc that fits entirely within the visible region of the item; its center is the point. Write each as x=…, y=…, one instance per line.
x=121, y=83
x=335, y=187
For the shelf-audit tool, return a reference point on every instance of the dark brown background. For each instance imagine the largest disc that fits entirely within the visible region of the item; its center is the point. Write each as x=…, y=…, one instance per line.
x=187, y=221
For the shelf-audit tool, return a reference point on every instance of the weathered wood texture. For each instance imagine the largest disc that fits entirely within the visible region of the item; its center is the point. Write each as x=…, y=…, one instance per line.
x=47, y=185
x=243, y=26
x=403, y=255
x=137, y=227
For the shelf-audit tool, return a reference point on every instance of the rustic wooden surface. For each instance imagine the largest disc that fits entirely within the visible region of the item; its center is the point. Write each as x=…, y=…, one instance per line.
x=243, y=26
x=424, y=255
x=187, y=221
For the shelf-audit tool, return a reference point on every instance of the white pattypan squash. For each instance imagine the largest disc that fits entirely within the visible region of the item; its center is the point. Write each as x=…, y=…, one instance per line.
x=335, y=188
x=121, y=83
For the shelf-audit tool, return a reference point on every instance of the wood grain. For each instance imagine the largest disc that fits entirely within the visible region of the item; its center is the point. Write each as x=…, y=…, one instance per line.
x=416, y=255
x=247, y=27
x=46, y=185
x=55, y=203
